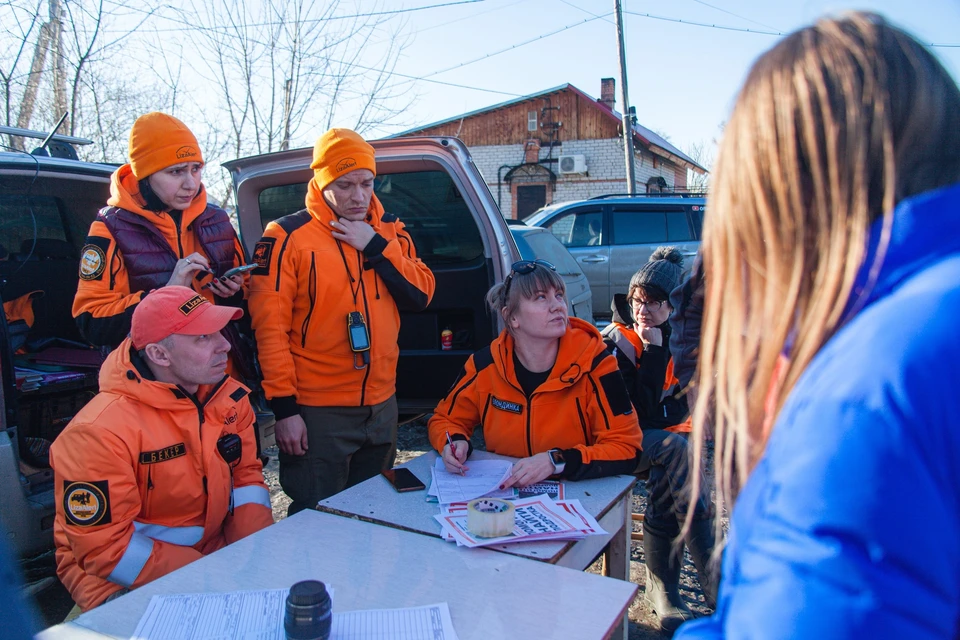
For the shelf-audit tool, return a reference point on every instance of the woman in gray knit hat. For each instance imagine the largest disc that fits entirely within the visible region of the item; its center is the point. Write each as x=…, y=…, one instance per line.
x=639, y=337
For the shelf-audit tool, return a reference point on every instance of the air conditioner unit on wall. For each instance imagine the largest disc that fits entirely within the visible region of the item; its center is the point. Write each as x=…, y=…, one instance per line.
x=573, y=164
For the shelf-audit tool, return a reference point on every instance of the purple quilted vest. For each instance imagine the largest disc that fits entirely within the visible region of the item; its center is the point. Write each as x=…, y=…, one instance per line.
x=148, y=257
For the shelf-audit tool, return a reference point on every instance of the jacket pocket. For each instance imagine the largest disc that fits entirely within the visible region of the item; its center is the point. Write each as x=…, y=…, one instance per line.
x=583, y=423
x=312, y=294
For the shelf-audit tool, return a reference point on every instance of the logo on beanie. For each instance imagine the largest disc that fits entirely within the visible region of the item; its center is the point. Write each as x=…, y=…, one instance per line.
x=346, y=163
x=191, y=304
x=184, y=153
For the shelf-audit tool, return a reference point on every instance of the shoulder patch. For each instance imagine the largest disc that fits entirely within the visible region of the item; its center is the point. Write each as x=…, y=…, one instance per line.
x=86, y=504
x=388, y=217
x=93, y=258
x=616, y=392
x=162, y=455
x=239, y=394
x=294, y=221
x=262, y=253
x=483, y=358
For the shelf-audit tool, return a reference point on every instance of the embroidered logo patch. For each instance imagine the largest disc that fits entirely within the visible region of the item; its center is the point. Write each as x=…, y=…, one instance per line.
x=191, y=304
x=92, y=262
x=262, y=253
x=346, y=163
x=231, y=419
x=86, y=504
x=162, y=455
x=187, y=152
x=503, y=405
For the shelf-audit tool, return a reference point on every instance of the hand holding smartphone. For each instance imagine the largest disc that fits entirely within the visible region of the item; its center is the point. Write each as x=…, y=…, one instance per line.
x=403, y=479
x=236, y=271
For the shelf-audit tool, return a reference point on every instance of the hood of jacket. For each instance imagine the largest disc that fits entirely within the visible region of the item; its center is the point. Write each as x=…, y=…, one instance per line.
x=125, y=194
x=123, y=376
x=621, y=310
x=579, y=348
x=321, y=211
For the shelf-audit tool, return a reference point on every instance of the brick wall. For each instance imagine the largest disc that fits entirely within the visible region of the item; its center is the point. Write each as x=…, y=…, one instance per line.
x=605, y=171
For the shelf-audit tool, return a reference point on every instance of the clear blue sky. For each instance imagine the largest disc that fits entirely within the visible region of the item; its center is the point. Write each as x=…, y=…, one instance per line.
x=682, y=77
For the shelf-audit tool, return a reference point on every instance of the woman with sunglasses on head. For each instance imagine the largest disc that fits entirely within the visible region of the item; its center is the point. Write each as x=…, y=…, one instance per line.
x=639, y=337
x=829, y=352
x=545, y=390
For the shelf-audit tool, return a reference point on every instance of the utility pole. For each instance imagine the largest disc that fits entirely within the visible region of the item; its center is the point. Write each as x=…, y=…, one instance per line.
x=627, y=124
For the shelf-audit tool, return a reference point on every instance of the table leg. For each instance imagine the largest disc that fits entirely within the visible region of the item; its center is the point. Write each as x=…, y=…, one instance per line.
x=616, y=558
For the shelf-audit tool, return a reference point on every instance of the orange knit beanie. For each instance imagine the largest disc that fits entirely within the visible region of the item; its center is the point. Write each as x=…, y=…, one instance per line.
x=337, y=153
x=158, y=141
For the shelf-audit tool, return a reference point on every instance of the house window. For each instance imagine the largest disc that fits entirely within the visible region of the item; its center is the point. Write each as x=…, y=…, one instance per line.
x=531, y=120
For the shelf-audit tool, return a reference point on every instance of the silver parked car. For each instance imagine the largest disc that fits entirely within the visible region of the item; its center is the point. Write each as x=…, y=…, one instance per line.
x=612, y=236
x=537, y=242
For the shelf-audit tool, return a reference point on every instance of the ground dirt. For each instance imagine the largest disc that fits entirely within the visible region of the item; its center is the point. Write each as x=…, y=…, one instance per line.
x=54, y=602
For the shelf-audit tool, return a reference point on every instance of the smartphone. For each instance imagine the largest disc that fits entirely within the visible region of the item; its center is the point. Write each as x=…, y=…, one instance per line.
x=403, y=479
x=238, y=270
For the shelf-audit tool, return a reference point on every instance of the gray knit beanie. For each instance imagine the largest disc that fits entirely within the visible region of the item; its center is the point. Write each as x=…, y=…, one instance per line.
x=662, y=270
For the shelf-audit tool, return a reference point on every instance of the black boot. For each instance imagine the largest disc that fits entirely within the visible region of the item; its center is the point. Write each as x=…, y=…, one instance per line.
x=663, y=581
x=700, y=540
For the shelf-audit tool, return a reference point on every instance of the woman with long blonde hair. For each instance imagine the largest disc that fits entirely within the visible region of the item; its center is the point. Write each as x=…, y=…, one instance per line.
x=830, y=356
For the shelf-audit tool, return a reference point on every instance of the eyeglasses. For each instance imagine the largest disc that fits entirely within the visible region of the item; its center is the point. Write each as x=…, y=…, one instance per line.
x=523, y=267
x=652, y=306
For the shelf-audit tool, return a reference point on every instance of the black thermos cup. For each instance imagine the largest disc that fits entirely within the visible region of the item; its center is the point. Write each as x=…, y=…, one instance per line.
x=308, y=612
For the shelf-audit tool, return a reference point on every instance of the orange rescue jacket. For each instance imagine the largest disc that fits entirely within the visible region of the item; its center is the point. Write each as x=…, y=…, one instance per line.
x=104, y=302
x=582, y=408
x=140, y=487
x=307, y=283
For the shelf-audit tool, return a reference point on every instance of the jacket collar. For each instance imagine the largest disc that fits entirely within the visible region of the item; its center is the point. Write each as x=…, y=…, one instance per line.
x=125, y=194
x=925, y=228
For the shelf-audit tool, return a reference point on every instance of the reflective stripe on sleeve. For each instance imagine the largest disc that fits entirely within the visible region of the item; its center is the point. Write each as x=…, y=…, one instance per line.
x=183, y=536
x=131, y=562
x=251, y=495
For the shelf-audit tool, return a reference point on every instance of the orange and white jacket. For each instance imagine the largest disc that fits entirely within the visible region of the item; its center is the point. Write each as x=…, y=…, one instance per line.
x=300, y=295
x=582, y=408
x=140, y=487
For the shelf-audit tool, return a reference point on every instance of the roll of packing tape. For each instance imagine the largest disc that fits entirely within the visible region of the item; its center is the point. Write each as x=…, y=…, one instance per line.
x=490, y=518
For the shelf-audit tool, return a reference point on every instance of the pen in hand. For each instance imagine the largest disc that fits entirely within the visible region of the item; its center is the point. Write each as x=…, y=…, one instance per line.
x=453, y=451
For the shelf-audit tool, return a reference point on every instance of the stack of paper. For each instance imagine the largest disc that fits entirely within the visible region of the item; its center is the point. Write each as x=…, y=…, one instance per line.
x=537, y=519
x=27, y=379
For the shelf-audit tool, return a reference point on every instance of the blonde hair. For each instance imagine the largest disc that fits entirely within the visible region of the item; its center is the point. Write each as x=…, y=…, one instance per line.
x=833, y=127
x=523, y=286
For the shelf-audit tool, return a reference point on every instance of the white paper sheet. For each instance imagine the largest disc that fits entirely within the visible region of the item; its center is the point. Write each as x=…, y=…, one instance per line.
x=481, y=478
x=258, y=615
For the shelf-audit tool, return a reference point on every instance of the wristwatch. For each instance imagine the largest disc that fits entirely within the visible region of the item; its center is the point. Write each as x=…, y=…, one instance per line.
x=556, y=457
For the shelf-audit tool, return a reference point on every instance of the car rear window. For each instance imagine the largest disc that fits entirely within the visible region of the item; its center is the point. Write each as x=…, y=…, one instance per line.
x=428, y=202
x=18, y=215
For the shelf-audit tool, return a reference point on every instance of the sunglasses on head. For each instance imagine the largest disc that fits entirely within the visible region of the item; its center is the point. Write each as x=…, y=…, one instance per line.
x=524, y=267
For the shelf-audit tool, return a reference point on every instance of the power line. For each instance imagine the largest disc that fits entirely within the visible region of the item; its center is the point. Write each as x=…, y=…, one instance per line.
x=518, y=45
x=704, y=24
x=470, y=17
x=325, y=19
x=766, y=26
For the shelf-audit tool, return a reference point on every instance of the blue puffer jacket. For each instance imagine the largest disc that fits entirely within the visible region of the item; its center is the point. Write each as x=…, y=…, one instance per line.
x=849, y=527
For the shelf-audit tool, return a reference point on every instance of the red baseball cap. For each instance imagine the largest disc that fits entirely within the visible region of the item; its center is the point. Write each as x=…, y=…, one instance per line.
x=174, y=309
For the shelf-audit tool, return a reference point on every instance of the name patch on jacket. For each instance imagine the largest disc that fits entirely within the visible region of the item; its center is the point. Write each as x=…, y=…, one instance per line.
x=86, y=504
x=162, y=455
x=504, y=405
x=261, y=255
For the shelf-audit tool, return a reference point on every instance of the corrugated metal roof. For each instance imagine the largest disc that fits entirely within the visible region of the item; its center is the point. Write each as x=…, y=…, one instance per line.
x=645, y=135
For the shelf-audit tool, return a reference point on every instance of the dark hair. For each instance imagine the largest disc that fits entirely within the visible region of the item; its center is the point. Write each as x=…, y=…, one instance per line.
x=153, y=201
x=650, y=293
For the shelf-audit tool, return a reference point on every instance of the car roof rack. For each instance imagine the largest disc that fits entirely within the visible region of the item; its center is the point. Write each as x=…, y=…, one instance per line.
x=53, y=145
x=659, y=194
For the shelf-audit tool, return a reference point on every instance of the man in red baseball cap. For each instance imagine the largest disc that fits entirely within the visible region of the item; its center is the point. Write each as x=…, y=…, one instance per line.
x=161, y=467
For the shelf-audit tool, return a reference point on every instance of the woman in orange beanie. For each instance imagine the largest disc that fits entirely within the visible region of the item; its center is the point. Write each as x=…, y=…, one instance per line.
x=157, y=229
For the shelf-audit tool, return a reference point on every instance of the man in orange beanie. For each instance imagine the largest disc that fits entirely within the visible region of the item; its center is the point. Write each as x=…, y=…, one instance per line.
x=325, y=303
